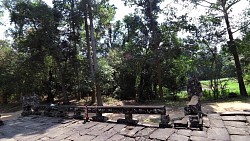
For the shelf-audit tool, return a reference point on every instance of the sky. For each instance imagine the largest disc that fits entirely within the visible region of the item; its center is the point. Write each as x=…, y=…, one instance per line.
x=124, y=10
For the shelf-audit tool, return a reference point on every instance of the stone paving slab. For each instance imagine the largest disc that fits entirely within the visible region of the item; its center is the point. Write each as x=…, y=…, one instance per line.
x=234, y=118
x=234, y=128
x=239, y=113
x=218, y=134
x=237, y=131
x=162, y=134
x=216, y=123
x=236, y=124
x=240, y=138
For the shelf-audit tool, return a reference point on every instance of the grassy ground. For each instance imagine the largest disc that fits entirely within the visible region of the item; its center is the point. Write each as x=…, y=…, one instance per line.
x=230, y=83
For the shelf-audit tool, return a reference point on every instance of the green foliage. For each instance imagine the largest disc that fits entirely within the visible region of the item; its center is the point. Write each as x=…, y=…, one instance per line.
x=227, y=86
x=138, y=57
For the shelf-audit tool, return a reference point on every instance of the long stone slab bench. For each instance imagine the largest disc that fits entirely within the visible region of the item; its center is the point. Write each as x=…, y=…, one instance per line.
x=81, y=112
x=129, y=111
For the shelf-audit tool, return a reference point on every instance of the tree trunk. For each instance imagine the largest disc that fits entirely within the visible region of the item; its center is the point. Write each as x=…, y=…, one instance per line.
x=93, y=96
x=159, y=78
x=233, y=50
x=96, y=76
x=155, y=43
x=5, y=98
x=50, y=98
x=65, y=96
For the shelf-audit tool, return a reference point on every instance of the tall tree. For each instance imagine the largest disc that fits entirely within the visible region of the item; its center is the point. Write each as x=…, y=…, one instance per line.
x=150, y=10
x=224, y=7
x=36, y=35
x=89, y=52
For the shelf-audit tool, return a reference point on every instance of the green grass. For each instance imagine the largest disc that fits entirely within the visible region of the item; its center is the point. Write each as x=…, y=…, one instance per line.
x=231, y=85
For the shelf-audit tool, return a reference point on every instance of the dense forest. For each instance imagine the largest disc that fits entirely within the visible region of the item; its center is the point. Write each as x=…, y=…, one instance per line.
x=78, y=49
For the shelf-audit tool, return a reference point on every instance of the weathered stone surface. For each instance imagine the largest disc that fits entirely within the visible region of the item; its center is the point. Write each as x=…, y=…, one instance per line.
x=132, y=132
x=184, y=132
x=105, y=135
x=248, y=119
x=85, y=138
x=126, y=130
x=235, y=113
x=235, y=124
x=128, y=139
x=44, y=139
x=109, y=126
x=90, y=124
x=118, y=127
x=206, y=122
x=99, y=126
x=30, y=137
x=216, y=123
x=195, y=138
x=52, y=134
x=234, y=118
x=8, y=131
x=64, y=136
x=140, y=138
x=214, y=116
x=218, y=133
x=84, y=131
x=145, y=132
x=95, y=132
x=176, y=137
x=240, y=138
x=8, y=139
x=116, y=137
x=237, y=131
x=55, y=129
x=162, y=134
x=199, y=133
x=205, y=129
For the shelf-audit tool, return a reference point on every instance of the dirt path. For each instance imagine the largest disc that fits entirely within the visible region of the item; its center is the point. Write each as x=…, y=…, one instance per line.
x=173, y=112
x=9, y=116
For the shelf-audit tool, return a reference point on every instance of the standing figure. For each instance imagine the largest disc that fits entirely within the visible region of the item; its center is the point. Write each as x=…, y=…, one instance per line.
x=194, y=87
x=193, y=109
x=194, y=91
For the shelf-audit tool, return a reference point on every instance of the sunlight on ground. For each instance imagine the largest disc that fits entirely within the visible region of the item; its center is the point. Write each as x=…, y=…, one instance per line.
x=6, y=116
x=230, y=106
x=9, y=116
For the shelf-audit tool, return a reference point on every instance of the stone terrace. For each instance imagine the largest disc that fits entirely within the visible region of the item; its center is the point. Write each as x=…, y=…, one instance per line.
x=224, y=127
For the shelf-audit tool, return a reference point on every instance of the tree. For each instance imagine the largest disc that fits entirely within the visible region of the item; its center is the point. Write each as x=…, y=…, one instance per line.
x=7, y=69
x=97, y=16
x=224, y=7
x=36, y=35
x=1, y=12
x=150, y=10
x=70, y=31
x=95, y=62
x=89, y=56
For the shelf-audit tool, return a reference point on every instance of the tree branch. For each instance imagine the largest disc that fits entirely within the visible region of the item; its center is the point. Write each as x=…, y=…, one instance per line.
x=242, y=27
x=203, y=5
x=208, y=6
x=209, y=2
x=230, y=5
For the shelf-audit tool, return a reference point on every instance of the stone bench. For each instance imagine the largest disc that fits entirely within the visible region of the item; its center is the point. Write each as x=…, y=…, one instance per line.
x=129, y=111
x=81, y=112
x=193, y=115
